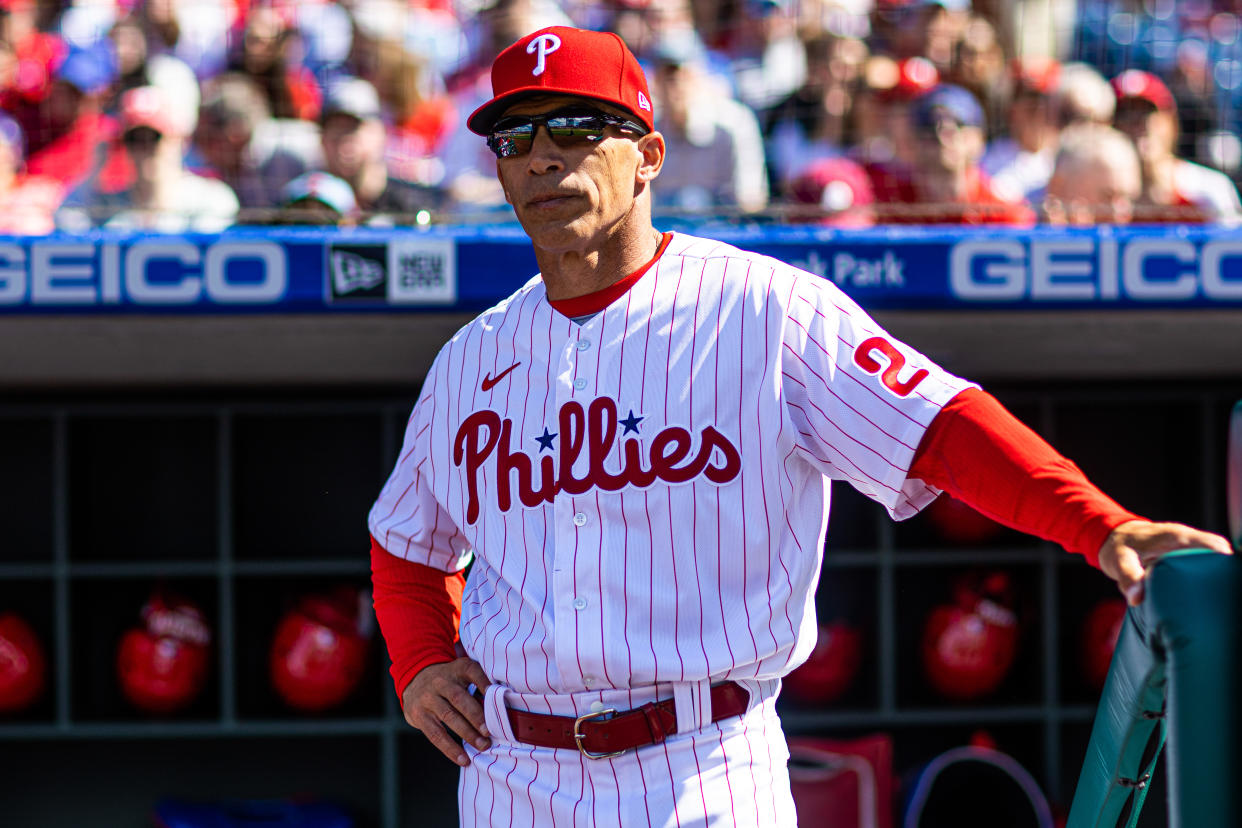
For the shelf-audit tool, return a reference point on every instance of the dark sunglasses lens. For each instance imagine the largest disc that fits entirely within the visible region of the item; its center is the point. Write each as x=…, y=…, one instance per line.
x=513, y=136
x=509, y=139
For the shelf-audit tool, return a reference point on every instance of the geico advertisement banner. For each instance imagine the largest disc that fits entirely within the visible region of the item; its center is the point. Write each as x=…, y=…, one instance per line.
x=465, y=269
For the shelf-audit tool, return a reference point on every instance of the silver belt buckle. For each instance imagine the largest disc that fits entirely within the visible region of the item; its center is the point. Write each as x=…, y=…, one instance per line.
x=579, y=736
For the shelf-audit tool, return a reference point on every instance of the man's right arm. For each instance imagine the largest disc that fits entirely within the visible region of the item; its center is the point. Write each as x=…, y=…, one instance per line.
x=418, y=608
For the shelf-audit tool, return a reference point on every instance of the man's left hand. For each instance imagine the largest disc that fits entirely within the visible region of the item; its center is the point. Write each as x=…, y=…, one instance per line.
x=1134, y=547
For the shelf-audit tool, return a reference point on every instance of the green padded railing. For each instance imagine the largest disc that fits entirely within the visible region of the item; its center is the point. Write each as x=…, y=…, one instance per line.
x=1174, y=677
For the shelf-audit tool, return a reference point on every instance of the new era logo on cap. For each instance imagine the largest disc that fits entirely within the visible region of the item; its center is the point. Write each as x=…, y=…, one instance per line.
x=562, y=60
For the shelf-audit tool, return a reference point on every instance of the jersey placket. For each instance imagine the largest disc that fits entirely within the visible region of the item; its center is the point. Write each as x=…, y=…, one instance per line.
x=575, y=570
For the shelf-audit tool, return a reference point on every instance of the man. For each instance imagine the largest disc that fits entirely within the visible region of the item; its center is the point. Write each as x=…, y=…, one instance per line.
x=1020, y=163
x=715, y=137
x=947, y=185
x=1095, y=180
x=634, y=450
x=164, y=195
x=1174, y=189
x=353, y=149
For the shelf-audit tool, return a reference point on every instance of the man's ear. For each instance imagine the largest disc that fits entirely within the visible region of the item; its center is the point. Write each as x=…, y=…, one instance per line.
x=651, y=147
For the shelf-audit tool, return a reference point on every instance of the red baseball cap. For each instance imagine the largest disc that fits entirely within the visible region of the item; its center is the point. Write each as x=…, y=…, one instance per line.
x=1135, y=83
x=560, y=60
x=1036, y=74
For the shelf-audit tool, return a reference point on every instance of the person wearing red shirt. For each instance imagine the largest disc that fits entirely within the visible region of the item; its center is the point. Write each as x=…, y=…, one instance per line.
x=71, y=125
x=947, y=185
x=1174, y=189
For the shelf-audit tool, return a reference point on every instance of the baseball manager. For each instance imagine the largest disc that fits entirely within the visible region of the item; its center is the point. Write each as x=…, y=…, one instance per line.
x=635, y=451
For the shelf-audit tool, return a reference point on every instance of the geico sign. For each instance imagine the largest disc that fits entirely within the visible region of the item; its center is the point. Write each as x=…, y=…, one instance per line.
x=154, y=272
x=1069, y=270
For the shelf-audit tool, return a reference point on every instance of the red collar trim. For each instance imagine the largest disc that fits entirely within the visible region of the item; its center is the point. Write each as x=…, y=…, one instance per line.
x=600, y=299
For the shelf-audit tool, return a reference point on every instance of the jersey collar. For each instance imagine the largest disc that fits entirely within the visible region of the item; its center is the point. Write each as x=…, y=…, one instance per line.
x=593, y=303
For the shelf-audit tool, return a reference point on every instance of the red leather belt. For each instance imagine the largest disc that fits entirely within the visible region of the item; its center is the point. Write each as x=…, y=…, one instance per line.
x=611, y=733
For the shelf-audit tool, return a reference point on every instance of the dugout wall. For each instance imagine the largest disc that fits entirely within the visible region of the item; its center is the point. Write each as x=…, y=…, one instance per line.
x=231, y=448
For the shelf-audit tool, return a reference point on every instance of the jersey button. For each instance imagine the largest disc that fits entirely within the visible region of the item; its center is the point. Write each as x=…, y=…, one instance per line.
x=580, y=604
x=580, y=383
x=580, y=519
x=588, y=680
x=583, y=344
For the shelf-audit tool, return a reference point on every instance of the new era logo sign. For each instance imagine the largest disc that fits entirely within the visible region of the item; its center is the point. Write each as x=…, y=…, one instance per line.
x=358, y=272
x=398, y=272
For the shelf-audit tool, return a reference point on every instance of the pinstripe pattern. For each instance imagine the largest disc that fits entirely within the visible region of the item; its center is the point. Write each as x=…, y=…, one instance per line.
x=588, y=573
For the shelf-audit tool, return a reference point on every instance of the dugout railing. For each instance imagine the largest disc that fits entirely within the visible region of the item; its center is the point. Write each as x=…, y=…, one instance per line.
x=1173, y=685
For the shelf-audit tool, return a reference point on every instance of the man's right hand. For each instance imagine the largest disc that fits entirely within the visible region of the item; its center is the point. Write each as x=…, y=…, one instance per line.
x=436, y=701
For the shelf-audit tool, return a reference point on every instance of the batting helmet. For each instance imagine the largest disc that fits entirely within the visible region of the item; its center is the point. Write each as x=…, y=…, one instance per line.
x=970, y=645
x=23, y=667
x=830, y=669
x=162, y=664
x=318, y=654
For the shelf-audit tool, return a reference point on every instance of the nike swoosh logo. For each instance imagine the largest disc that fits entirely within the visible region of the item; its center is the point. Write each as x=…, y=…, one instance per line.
x=489, y=383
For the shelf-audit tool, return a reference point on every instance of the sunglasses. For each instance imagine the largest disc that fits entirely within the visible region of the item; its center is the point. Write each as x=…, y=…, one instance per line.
x=141, y=137
x=567, y=128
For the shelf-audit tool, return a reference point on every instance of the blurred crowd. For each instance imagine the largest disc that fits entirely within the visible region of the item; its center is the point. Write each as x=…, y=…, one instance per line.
x=176, y=115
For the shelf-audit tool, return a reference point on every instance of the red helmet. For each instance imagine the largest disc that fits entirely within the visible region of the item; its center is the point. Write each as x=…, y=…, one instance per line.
x=830, y=669
x=162, y=664
x=318, y=654
x=959, y=523
x=23, y=667
x=970, y=645
x=1100, y=632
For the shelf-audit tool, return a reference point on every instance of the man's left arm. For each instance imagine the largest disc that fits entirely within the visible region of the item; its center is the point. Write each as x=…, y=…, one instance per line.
x=981, y=454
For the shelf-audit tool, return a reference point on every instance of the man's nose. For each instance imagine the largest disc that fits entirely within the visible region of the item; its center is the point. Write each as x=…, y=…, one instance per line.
x=545, y=156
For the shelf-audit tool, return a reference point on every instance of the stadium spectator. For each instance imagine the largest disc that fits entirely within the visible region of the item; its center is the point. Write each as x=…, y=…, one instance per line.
x=354, y=138
x=267, y=52
x=421, y=115
x=138, y=66
x=714, y=138
x=947, y=186
x=1086, y=96
x=1020, y=163
x=840, y=191
x=1095, y=180
x=64, y=142
x=29, y=60
x=318, y=198
x=1174, y=189
x=813, y=122
x=884, y=140
x=240, y=143
x=164, y=196
x=919, y=28
x=27, y=203
x=979, y=66
x=767, y=58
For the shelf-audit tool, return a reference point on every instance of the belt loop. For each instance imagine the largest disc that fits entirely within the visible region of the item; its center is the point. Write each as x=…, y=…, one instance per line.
x=496, y=714
x=693, y=700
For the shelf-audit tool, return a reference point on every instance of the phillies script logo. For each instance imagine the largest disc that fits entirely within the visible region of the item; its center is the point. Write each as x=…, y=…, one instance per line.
x=671, y=456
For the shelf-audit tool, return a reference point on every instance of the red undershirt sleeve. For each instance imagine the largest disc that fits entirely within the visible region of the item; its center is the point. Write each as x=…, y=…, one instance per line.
x=418, y=608
x=981, y=454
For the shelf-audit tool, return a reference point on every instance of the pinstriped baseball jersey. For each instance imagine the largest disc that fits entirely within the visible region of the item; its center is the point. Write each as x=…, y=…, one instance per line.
x=645, y=493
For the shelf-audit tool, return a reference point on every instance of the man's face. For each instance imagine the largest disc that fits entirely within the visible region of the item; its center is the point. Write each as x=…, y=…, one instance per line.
x=1095, y=193
x=349, y=144
x=945, y=144
x=1153, y=131
x=146, y=148
x=564, y=196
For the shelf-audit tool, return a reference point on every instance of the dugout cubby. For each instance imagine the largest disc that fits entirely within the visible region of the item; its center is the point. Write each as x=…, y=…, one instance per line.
x=246, y=501
x=261, y=602
x=26, y=489
x=32, y=601
x=921, y=590
x=102, y=610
